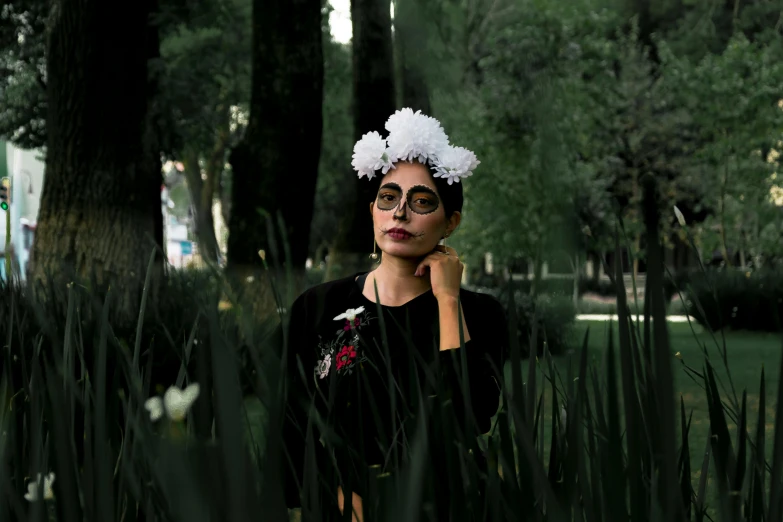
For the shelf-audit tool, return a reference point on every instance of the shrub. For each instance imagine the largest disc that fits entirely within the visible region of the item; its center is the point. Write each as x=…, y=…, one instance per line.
x=555, y=315
x=559, y=287
x=597, y=286
x=737, y=299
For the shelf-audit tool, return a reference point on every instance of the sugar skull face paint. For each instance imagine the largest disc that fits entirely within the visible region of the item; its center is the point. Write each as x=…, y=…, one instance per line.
x=409, y=217
x=419, y=199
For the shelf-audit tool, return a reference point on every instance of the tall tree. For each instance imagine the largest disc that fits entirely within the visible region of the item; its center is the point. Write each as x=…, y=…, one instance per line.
x=100, y=214
x=374, y=102
x=275, y=166
x=206, y=86
x=410, y=42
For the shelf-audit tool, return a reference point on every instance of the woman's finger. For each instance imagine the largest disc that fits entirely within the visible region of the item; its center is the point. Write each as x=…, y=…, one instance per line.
x=425, y=263
x=446, y=249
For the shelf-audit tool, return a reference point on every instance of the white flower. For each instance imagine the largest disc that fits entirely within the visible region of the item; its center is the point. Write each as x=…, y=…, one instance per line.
x=154, y=405
x=323, y=366
x=679, y=215
x=350, y=314
x=33, y=487
x=415, y=136
x=175, y=403
x=455, y=163
x=370, y=155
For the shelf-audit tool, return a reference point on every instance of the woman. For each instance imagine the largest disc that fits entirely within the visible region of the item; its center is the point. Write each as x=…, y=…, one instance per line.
x=362, y=350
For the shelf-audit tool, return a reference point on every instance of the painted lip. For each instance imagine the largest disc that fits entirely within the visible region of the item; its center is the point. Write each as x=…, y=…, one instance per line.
x=398, y=233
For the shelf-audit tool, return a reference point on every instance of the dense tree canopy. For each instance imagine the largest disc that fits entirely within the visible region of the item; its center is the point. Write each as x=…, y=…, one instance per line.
x=568, y=106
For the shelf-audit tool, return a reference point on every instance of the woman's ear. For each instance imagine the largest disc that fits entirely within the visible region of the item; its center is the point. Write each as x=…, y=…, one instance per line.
x=453, y=223
x=372, y=203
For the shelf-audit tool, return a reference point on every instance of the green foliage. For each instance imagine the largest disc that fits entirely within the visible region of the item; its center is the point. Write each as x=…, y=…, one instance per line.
x=737, y=299
x=552, y=312
x=23, y=72
x=569, y=105
x=732, y=101
x=205, y=85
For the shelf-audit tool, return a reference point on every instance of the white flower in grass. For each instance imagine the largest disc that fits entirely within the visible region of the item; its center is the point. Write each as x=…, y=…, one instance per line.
x=175, y=403
x=455, y=163
x=350, y=314
x=680, y=217
x=34, y=486
x=370, y=155
x=415, y=136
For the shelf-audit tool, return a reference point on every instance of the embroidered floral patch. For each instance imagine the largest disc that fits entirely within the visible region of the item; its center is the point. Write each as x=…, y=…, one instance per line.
x=344, y=351
x=346, y=357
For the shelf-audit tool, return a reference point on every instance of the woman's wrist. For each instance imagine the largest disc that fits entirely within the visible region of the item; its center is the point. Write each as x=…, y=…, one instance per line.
x=450, y=315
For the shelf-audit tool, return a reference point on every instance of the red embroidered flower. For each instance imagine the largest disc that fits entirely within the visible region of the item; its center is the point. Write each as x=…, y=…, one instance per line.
x=350, y=325
x=346, y=357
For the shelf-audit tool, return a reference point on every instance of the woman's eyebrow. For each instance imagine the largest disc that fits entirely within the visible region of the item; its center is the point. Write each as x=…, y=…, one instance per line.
x=393, y=186
x=422, y=188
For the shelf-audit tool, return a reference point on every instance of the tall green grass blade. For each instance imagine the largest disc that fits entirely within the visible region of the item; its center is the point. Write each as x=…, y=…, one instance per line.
x=700, y=505
x=412, y=497
x=554, y=449
x=631, y=404
x=584, y=490
x=228, y=418
x=684, y=464
x=758, y=460
x=722, y=450
x=530, y=389
x=662, y=356
x=615, y=476
x=775, y=511
x=593, y=459
x=143, y=309
x=738, y=480
x=104, y=493
x=65, y=467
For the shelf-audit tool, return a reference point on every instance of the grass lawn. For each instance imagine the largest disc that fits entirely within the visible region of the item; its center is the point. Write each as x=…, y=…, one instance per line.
x=747, y=352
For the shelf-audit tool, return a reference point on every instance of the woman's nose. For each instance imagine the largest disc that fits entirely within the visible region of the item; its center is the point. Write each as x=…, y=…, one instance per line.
x=401, y=214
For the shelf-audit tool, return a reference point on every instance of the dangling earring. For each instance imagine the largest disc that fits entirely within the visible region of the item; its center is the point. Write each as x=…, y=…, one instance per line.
x=374, y=255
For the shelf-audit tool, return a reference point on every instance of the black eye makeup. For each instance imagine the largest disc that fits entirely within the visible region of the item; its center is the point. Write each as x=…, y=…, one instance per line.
x=420, y=199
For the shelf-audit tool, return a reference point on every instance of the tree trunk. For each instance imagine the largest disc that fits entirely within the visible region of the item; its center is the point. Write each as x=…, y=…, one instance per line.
x=201, y=200
x=722, y=211
x=410, y=41
x=275, y=166
x=100, y=215
x=373, y=87
x=577, y=270
x=203, y=191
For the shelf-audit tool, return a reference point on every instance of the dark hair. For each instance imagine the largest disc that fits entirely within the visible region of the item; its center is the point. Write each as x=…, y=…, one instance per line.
x=450, y=195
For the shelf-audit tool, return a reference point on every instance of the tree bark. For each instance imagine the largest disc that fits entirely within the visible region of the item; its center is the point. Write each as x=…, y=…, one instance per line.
x=275, y=166
x=374, y=102
x=203, y=191
x=201, y=198
x=410, y=41
x=100, y=215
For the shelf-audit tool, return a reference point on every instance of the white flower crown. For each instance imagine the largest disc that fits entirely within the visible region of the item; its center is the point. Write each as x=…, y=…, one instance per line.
x=412, y=136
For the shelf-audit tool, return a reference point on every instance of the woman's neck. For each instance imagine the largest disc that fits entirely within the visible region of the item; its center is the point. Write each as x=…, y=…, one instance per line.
x=396, y=281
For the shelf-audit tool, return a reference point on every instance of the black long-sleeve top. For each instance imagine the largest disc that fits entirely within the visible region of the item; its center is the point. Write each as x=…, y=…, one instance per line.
x=364, y=384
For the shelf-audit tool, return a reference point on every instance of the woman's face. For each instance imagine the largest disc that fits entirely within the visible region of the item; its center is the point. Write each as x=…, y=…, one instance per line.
x=408, y=216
